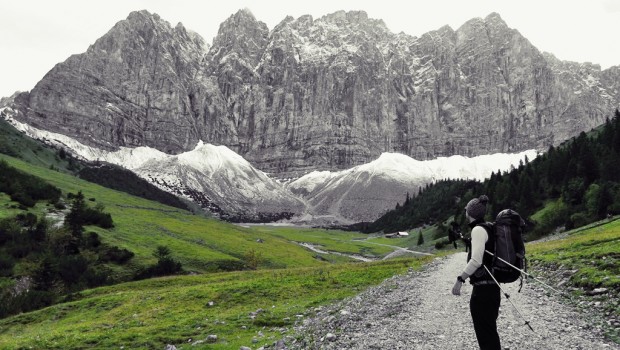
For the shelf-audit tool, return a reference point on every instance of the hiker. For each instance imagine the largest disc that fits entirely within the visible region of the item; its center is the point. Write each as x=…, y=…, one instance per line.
x=485, y=296
x=454, y=233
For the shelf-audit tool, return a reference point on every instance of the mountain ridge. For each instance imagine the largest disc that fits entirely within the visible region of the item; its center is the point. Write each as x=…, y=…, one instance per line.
x=224, y=183
x=320, y=94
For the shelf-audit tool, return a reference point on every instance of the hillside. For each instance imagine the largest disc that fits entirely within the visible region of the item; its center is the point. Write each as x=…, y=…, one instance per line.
x=110, y=237
x=17, y=144
x=257, y=308
x=200, y=243
x=568, y=186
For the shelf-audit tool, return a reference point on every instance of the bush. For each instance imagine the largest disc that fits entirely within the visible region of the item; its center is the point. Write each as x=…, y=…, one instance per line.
x=24, y=302
x=6, y=265
x=71, y=268
x=92, y=240
x=252, y=259
x=27, y=219
x=580, y=219
x=225, y=265
x=97, y=276
x=81, y=214
x=441, y=244
x=23, y=199
x=165, y=266
x=114, y=254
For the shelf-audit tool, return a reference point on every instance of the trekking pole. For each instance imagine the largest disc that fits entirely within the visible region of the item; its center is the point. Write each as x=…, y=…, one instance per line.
x=527, y=323
x=528, y=275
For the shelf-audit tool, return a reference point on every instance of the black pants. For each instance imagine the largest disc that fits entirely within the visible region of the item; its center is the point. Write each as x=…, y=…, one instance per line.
x=484, y=307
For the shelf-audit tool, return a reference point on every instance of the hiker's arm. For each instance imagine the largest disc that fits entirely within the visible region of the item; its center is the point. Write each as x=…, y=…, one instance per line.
x=479, y=238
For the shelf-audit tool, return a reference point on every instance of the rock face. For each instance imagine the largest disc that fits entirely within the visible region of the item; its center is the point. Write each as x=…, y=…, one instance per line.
x=134, y=86
x=320, y=94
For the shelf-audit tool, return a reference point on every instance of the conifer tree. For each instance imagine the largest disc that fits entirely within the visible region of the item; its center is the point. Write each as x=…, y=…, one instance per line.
x=420, y=238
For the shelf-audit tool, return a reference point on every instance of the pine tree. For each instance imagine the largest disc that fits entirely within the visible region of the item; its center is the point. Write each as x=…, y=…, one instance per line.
x=420, y=238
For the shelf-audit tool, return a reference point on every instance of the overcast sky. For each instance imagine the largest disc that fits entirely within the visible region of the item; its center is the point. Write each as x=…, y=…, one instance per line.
x=37, y=34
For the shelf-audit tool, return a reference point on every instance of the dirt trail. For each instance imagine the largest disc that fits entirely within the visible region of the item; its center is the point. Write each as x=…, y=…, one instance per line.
x=417, y=311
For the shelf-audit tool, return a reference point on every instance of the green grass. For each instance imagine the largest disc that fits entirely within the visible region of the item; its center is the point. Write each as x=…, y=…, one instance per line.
x=330, y=240
x=594, y=251
x=153, y=313
x=14, y=143
x=150, y=314
x=201, y=244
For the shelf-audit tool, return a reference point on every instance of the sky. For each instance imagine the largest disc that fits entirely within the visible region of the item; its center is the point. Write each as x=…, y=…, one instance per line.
x=37, y=34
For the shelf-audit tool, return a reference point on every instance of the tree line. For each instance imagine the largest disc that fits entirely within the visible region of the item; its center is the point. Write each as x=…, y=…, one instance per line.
x=577, y=182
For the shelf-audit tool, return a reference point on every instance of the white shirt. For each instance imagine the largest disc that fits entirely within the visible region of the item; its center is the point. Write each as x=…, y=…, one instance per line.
x=479, y=238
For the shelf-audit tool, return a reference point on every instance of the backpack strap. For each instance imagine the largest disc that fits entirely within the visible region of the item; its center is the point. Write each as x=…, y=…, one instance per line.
x=482, y=276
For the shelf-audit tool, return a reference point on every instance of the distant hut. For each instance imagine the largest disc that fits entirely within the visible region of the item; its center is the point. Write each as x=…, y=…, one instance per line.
x=397, y=234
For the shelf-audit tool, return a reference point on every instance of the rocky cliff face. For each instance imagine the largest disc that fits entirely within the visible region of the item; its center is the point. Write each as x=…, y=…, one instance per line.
x=131, y=87
x=325, y=93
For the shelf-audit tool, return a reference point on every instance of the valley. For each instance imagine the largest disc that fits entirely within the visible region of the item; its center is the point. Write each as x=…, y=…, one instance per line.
x=293, y=187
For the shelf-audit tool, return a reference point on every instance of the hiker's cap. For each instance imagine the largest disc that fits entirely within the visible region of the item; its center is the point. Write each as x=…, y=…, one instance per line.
x=477, y=207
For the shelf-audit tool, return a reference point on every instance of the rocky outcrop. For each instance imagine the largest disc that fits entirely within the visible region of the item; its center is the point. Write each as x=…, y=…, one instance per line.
x=134, y=86
x=316, y=94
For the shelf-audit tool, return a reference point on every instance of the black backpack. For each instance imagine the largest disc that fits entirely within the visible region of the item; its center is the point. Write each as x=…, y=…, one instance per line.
x=507, y=233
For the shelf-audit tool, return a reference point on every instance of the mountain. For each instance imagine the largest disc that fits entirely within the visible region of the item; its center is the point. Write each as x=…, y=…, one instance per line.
x=124, y=88
x=366, y=192
x=319, y=94
x=216, y=178
x=224, y=183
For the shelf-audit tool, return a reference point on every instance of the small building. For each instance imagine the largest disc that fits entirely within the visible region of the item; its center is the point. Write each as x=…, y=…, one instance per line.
x=397, y=234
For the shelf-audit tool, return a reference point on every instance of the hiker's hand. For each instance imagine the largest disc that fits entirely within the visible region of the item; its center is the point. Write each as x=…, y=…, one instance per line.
x=456, y=290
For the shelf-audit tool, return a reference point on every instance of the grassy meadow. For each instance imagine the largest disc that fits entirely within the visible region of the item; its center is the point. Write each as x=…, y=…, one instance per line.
x=243, y=308
x=290, y=279
x=201, y=244
x=177, y=310
x=594, y=251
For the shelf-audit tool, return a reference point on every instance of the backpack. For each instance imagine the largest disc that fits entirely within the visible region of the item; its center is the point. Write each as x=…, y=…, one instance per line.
x=507, y=231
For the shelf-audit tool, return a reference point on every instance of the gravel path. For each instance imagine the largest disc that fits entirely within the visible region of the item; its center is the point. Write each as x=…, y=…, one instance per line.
x=418, y=311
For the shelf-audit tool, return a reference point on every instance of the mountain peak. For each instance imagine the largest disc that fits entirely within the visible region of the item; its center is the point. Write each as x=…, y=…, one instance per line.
x=241, y=20
x=244, y=14
x=495, y=18
x=351, y=17
x=142, y=15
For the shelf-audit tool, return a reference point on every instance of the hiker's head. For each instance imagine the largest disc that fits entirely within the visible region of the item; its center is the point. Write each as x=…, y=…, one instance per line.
x=476, y=208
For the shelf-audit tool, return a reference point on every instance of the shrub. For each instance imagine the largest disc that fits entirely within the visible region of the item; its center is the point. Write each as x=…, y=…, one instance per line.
x=23, y=199
x=252, y=259
x=71, y=268
x=114, y=254
x=92, y=240
x=6, y=265
x=441, y=244
x=165, y=266
x=580, y=219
